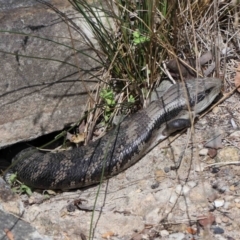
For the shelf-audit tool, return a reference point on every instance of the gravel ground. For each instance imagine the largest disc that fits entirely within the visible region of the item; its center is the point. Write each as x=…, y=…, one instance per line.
x=198, y=201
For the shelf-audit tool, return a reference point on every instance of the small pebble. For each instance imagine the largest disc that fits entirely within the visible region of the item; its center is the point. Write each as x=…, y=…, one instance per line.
x=71, y=208
x=234, y=125
x=237, y=205
x=226, y=51
x=188, y=237
x=203, y=152
x=200, y=167
x=215, y=170
x=212, y=152
x=155, y=185
x=192, y=184
x=218, y=230
x=223, y=189
x=227, y=205
x=235, y=134
x=218, y=220
x=215, y=141
x=215, y=110
x=186, y=190
x=212, y=197
x=182, y=189
x=219, y=203
x=179, y=189
x=173, y=198
x=167, y=169
x=164, y=233
x=230, y=227
x=176, y=236
x=225, y=219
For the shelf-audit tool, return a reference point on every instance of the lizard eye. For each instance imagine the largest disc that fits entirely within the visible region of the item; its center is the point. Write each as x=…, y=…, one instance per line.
x=202, y=95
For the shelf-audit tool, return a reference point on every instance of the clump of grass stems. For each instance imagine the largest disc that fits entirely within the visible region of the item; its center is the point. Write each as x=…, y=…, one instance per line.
x=131, y=41
x=133, y=38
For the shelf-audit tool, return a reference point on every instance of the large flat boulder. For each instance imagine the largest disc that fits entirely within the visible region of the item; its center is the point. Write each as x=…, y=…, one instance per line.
x=41, y=88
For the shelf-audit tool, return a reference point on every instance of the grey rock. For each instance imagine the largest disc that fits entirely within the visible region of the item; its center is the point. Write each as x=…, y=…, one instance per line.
x=218, y=230
x=176, y=236
x=219, y=203
x=12, y=225
x=203, y=152
x=39, y=96
x=18, y=228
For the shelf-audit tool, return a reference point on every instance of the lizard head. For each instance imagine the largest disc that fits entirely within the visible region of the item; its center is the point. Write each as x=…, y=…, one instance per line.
x=202, y=92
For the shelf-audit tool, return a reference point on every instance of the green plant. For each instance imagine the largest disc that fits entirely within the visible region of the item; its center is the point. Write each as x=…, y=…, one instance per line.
x=138, y=38
x=131, y=99
x=19, y=187
x=130, y=37
x=108, y=97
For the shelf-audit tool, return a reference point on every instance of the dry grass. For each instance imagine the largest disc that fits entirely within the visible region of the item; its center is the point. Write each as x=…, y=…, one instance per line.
x=179, y=30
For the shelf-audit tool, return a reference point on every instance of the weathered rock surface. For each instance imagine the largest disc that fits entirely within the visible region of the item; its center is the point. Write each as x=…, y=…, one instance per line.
x=21, y=230
x=39, y=96
x=12, y=225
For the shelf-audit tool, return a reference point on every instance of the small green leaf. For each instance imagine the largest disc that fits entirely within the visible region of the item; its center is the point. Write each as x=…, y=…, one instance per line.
x=29, y=191
x=110, y=102
x=106, y=118
x=136, y=34
x=13, y=177
x=26, y=189
x=138, y=38
x=15, y=189
x=131, y=99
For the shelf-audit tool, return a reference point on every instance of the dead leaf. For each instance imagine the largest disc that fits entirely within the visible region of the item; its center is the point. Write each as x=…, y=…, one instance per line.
x=191, y=230
x=76, y=138
x=206, y=221
x=108, y=234
x=212, y=152
x=81, y=127
x=50, y=192
x=148, y=226
x=83, y=237
x=79, y=137
x=9, y=234
x=237, y=78
x=159, y=175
